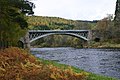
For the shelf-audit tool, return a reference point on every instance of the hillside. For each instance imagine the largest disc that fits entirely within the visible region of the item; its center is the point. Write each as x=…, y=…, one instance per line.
x=47, y=23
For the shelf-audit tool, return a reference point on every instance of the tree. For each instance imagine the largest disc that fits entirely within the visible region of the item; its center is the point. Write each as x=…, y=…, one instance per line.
x=117, y=21
x=12, y=19
x=104, y=28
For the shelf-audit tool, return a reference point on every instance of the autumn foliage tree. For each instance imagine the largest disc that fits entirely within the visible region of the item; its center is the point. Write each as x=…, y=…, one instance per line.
x=104, y=27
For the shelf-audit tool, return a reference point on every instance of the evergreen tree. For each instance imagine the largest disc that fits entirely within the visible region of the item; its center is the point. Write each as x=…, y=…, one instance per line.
x=117, y=21
x=12, y=19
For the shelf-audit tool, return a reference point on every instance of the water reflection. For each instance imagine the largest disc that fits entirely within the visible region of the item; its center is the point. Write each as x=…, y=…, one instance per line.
x=100, y=61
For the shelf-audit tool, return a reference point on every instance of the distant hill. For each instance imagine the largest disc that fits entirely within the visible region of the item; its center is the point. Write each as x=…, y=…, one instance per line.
x=94, y=21
x=47, y=23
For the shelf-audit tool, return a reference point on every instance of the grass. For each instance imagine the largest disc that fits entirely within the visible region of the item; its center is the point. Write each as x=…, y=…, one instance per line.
x=104, y=45
x=77, y=70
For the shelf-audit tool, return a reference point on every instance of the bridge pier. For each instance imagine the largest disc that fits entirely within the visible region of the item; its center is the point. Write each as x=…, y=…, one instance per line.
x=89, y=35
x=25, y=41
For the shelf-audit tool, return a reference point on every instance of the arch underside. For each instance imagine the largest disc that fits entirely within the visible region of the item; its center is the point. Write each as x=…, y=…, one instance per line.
x=71, y=34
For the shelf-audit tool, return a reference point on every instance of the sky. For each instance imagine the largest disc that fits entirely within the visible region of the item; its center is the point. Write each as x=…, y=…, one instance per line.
x=75, y=9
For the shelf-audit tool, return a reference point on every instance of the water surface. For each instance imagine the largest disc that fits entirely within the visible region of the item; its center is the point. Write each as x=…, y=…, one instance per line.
x=99, y=61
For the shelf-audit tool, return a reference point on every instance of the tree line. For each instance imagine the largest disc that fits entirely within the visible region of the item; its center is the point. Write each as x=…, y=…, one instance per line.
x=47, y=23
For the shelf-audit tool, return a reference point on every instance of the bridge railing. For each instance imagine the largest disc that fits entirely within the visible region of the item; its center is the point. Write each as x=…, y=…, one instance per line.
x=58, y=31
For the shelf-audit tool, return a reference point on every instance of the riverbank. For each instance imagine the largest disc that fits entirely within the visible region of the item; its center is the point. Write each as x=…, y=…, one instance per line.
x=17, y=64
x=104, y=45
x=77, y=70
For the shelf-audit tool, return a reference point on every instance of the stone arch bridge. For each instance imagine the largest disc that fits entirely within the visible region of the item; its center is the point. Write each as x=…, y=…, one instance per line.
x=33, y=35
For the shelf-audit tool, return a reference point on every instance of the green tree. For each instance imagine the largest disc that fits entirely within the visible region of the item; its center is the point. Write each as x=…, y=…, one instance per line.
x=12, y=19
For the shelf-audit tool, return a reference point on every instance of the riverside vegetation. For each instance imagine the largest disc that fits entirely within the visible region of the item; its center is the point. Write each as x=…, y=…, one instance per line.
x=18, y=64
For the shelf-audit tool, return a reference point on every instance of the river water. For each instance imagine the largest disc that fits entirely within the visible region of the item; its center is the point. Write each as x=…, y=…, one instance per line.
x=99, y=61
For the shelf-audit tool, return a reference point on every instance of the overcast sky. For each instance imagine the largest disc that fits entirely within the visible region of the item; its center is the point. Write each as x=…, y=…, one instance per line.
x=75, y=9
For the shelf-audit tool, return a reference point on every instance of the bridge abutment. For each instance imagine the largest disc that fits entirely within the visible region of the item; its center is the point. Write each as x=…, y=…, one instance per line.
x=25, y=41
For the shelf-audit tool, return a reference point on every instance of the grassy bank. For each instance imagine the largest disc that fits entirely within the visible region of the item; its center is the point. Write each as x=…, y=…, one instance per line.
x=17, y=64
x=77, y=70
x=104, y=45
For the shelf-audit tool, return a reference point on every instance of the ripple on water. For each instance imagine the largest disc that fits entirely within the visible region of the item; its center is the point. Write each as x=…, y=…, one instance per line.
x=100, y=61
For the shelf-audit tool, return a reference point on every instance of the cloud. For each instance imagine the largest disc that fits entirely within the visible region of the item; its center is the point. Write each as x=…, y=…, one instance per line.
x=75, y=9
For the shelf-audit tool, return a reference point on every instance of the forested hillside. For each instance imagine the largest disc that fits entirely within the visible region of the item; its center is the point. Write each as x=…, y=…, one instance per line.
x=47, y=23
x=56, y=23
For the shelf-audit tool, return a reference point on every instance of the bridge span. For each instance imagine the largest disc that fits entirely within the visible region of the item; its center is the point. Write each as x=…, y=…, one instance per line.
x=33, y=35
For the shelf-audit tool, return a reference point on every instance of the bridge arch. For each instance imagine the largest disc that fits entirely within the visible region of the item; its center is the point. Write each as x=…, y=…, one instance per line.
x=33, y=35
x=70, y=34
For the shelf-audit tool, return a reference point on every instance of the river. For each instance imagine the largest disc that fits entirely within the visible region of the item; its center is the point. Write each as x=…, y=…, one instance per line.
x=100, y=61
